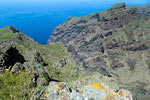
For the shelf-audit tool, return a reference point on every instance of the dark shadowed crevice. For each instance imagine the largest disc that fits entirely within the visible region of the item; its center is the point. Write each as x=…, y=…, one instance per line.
x=102, y=50
x=48, y=79
x=13, y=56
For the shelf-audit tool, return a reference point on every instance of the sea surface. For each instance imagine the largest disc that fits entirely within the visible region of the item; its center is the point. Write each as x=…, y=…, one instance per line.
x=38, y=19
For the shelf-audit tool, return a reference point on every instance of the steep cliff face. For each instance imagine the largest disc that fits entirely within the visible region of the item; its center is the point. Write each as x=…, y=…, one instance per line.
x=114, y=42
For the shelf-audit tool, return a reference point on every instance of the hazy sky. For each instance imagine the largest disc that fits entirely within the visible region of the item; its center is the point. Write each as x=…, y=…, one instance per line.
x=82, y=2
x=73, y=1
x=48, y=0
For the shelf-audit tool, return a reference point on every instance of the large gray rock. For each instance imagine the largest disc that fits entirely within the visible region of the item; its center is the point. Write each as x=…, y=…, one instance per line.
x=17, y=67
x=95, y=91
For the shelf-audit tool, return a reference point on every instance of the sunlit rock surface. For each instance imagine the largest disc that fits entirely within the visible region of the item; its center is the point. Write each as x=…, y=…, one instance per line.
x=95, y=91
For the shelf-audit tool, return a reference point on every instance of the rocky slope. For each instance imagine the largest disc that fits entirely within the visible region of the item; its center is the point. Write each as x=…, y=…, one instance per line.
x=29, y=71
x=45, y=63
x=114, y=42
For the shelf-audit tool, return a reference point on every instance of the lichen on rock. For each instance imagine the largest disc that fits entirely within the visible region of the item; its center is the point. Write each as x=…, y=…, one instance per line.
x=61, y=91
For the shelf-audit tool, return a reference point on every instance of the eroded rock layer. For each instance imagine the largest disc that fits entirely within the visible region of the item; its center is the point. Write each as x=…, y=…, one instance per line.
x=114, y=42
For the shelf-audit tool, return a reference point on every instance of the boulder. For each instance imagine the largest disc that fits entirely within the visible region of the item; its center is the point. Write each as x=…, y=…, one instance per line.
x=16, y=68
x=95, y=91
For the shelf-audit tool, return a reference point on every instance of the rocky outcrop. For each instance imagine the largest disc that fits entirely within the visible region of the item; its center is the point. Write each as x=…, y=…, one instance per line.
x=94, y=91
x=17, y=67
x=37, y=71
x=141, y=9
x=114, y=42
x=10, y=56
x=43, y=63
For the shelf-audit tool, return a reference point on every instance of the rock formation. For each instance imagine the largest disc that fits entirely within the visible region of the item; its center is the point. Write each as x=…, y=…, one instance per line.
x=113, y=42
x=110, y=51
x=37, y=72
x=87, y=91
x=45, y=63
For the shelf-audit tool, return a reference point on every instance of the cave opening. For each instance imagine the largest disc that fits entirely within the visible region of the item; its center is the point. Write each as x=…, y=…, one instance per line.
x=13, y=56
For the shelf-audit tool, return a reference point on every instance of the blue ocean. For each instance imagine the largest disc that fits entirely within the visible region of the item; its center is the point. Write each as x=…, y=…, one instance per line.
x=38, y=19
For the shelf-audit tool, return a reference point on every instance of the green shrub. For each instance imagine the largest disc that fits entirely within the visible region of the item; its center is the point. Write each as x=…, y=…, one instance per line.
x=15, y=87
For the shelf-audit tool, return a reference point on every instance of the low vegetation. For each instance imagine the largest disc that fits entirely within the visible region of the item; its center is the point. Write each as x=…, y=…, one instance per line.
x=6, y=35
x=14, y=87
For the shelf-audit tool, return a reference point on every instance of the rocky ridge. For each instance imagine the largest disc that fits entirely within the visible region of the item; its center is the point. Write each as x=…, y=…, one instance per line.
x=113, y=42
x=45, y=63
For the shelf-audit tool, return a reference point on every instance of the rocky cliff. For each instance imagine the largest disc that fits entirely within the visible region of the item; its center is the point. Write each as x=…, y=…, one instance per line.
x=29, y=71
x=40, y=64
x=113, y=42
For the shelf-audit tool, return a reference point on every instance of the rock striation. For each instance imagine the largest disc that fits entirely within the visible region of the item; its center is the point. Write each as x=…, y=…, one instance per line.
x=113, y=42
